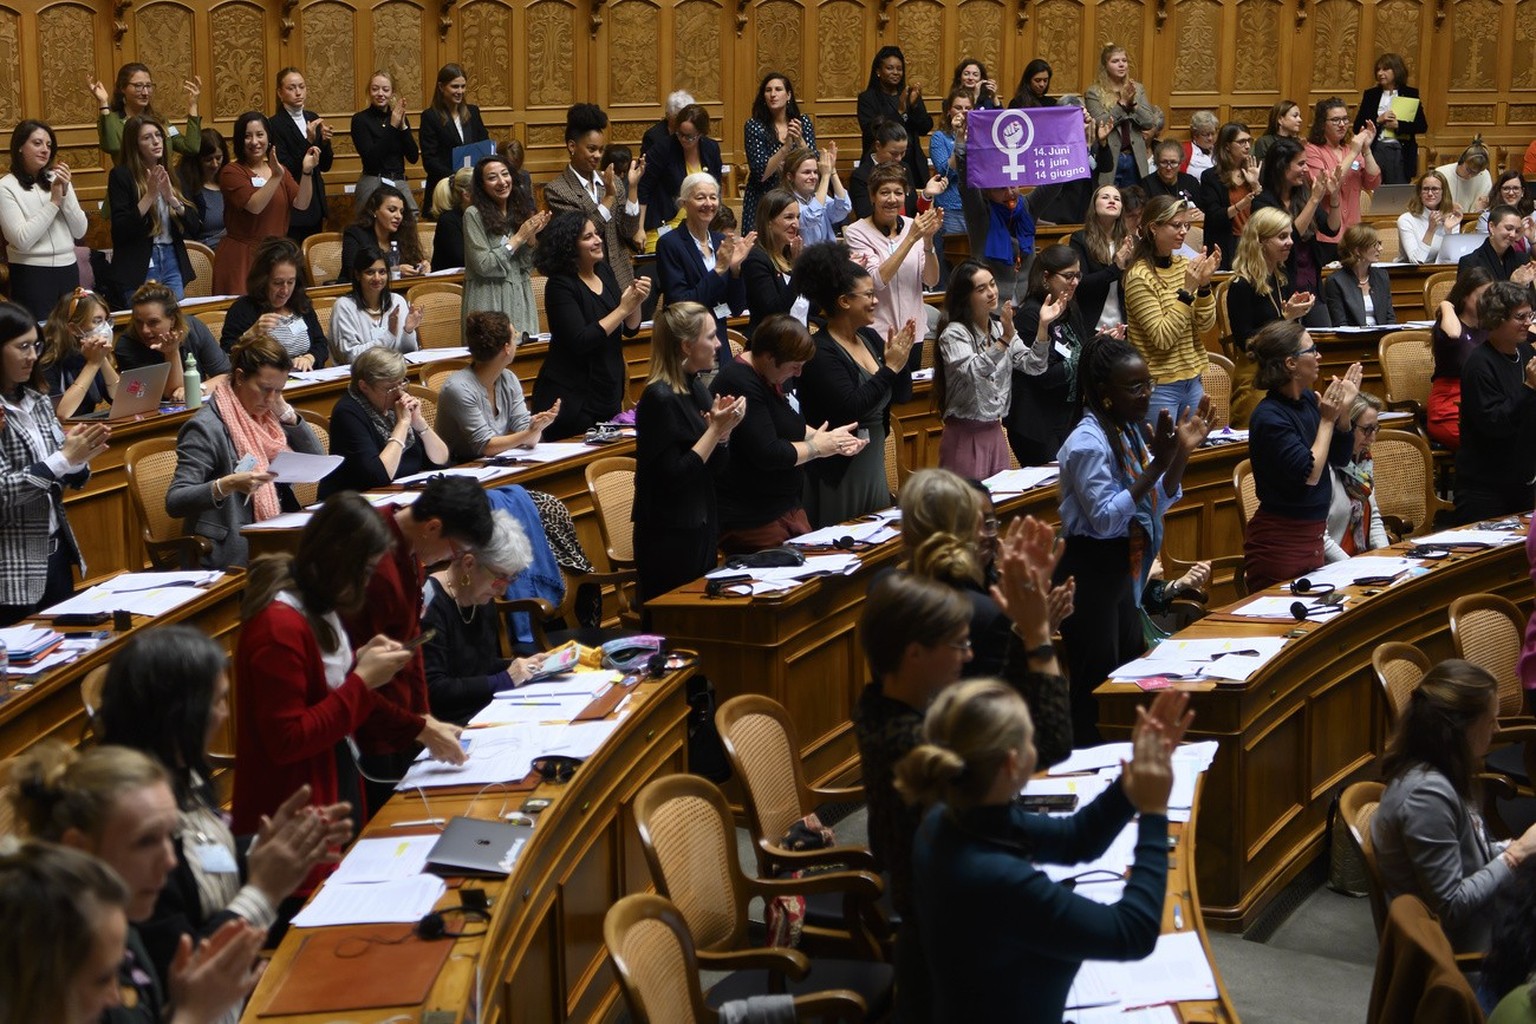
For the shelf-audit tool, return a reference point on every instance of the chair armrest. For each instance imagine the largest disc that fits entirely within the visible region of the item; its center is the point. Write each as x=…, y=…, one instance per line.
x=857, y=858
x=862, y=884
x=790, y=963
x=539, y=612
x=834, y=794
x=833, y=1004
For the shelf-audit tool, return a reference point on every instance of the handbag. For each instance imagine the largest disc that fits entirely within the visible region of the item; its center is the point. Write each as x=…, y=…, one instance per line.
x=784, y=916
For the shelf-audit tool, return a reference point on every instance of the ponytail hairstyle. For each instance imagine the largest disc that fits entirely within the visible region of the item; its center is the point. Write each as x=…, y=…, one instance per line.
x=940, y=517
x=970, y=729
x=676, y=322
x=56, y=788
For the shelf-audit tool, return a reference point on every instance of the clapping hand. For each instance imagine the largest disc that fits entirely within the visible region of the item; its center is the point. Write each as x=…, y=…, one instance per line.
x=103, y=98
x=1005, y=316
x=794, y=134
x=58, y=182
x=413, y=317
x=311, y=159
x=636, y=172
x=725, y=414
x=207, y=982
x=1051, y=309
x=1198, y=271
x=84, y=442
x=1299, y=305
x=1363, y=138
x=839, y=441
x=827, y=162
x=1195, y=425
x=1027, y=554
x=635, y=295
x=540, y=421
x=1148, y=777
x=898, y=346
x=742, y=250
x=914, y=94
x=930, y=222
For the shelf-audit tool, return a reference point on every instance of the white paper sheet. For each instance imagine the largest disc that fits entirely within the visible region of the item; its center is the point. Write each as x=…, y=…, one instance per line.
x=867, y=532
x=97, y=599
x=481, y=473
x=285, y=521
x=513, y=712
x=1017, y=481
x=815, y=565
x=549, y=451
x=1280, y=608
x=383, y=860
x=1176, y=970
x=341, y=371
x=1091, y=759
x=1344, y=574
x=1455, y=537
x=403, y=901
x=433, y=355
x=303, y=468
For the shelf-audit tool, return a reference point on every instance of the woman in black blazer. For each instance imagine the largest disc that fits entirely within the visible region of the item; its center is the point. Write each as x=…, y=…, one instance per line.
x=1399, y=162
x=688, y=149
x=1347, y=290
x=589, y=316
x=292, y=144
x=765, y=273
x=1104, y=250
x=441, y=134
x=150, y=216
x=695, y=264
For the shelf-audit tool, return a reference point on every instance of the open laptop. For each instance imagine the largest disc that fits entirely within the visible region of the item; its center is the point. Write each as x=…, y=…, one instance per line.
x=1454, y=247
x=475, y=846
x=138, y=392
x=1391, y=199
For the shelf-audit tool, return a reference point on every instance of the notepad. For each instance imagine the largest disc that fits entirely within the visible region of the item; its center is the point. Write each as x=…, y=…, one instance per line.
x=358, y=968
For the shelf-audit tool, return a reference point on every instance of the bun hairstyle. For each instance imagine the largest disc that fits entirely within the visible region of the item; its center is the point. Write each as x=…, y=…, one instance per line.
x=257, y=349
x=56, y=788
x=969, y=731
x=1270, y=346
x=940, y=514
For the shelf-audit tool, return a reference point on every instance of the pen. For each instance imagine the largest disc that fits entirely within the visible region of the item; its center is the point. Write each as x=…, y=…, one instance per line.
x=538, y=703
x=1178, y=918
x=438, y=821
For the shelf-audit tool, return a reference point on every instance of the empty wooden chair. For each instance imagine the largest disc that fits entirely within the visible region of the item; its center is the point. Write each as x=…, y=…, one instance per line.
x=1404, y=488
x=322, y=255
x=201, y=258
x=1398, y=667
x=1217, y=381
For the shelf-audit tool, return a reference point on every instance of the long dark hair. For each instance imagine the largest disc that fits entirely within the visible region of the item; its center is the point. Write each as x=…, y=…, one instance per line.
x=1318, y=136
x=243, y=122
x=406, y=235
x=874, y=69
x=19, y=138
x=189, y=169
x=1277, y=161
x=14, y=322
x=760, y=110
x=1023, y=96
x=519, y=206
x=1433, y=729
x=446, y=74
x=365, y=257
x=272, y=251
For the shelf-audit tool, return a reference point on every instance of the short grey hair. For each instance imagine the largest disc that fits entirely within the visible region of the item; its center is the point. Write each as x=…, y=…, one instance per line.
x=1364, y=400
x=508, y=551
x=378, y=365
x=677, y=101
x=1202, y=121
x=693, y=181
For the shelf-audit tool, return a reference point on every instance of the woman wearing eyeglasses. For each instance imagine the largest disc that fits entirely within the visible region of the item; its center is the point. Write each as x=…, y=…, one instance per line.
x=1496, y=462
x=1294, y=435
x=1354, y=521
x=1332, y=151
x=378, y=429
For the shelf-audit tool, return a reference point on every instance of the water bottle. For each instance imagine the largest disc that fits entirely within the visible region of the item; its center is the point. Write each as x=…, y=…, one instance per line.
x=192, y=383
x=394, y=261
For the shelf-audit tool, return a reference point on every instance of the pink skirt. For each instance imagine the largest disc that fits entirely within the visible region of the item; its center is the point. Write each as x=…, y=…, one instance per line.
x=976, y=449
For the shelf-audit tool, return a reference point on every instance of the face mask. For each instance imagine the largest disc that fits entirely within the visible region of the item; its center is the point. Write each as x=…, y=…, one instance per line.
x=101, y=332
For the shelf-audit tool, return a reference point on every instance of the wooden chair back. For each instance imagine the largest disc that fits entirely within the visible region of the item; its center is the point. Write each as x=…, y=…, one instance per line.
x=1407, y=365
x=761, y=746
x=540, y=282
x=1405, y=481
x=1436, y=288
x=213, y=319
x=1224, y=320
x=1247, y=493
x=737, y=341
x=1488, y=631
x=1217, y=381
x=434, y=373
x=654, y=959
x=201, y=258
x=91, y=687
x=149, y=466
x=428, y=403
x=442, y=315
x=322, y=255
x=308, y=494
x=611, y=483
x=1399, y=667
x=896, y=470
x=1357, y=806
x=1418, y=976
x=7, y=808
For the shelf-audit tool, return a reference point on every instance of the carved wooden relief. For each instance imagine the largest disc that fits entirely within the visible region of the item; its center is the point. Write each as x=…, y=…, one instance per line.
x=1256, y=118
x=1525, y=46
x=397, y=46
x=164, y=42
x=827, y=127
x=486, y=52
x=10, y=70
x=66, y=46
x=1059, y=29
x=1470, y=113
x=551, y=55
x=920, y=34
x=1258, y=46
x=1197, y=26
x=1397, y=31
x=981, y=36
x=328, y=56
x=1522, y=113
x=841, y=71
x=239, y=59
x=696, y=60
x=1120, y=22
x=780, y=42
x=633, y=27
x=629, y=132
x=1474, y=43
x=1335, y=45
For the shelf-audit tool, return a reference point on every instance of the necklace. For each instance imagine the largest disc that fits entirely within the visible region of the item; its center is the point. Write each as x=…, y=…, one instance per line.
x=473, y=609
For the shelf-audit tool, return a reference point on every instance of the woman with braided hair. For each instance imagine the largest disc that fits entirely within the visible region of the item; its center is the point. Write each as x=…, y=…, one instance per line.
x=1118, y=479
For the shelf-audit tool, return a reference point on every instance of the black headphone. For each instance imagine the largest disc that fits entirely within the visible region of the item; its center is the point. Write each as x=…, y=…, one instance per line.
x=435, y=925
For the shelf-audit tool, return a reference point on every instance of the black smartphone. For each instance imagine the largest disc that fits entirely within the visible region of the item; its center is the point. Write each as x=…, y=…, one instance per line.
x=82, y=619
x=419, y=639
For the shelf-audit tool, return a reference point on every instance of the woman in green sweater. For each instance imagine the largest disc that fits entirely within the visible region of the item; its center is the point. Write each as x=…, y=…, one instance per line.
x=133, y=96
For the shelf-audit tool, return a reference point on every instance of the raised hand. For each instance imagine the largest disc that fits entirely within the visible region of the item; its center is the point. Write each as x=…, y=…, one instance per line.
x=1162, y=440
x=1125, y=251
x=936, y=185
x=725, y=413
x=103, y=98
x=930, y=222
x=1251, y=174
x=1299, y=305
x=84, y=442
x=540, y=421
x=1194, y=426
x=743, y=250
x=899, y=345
x=1051, y=309
x=207, y=982
x=636, y=172
x=1148, y=777
x=1005, y=314
x=413, y=317
x=610, y=182
x=193, y=87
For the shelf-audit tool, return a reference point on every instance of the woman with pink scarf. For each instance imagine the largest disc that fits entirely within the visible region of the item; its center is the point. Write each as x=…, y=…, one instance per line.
x=222, y=480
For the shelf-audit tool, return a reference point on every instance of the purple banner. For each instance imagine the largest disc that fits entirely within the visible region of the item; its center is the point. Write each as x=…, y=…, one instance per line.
x=1037, y=146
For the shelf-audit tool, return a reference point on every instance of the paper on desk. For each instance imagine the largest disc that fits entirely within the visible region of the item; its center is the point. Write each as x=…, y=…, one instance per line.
x=1454, y=538
x=130, y=581
x=302, y=467
x=1017, y=481
x=815, y=565
x=403, y=901
x=1344, y=574
x=1091, y=759
x=866, y=532
x=285, y=521
x=63, y=656
x=1117, y=1014
x=1085, y=787
x=924, y=374
x=1226, y=435
x=586, y=684
x=98, y=599
x=1110, y=864
x=378, y=499
x=1177, y=970
x=548, y=451
x=1280, y=608
x=1101, y=890
x=341, y=371
x=433, y=355
x=499, y=754
x=580, y=739
x=383, y=860
x=481, y=473
x=512, y=712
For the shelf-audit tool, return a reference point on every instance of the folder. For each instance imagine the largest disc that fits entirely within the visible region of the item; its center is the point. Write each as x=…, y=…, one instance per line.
x=472, y=153
x=361, y=967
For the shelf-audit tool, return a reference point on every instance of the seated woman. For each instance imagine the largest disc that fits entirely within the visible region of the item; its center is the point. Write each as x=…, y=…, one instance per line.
x=1002, y=941
x=1360, y=294
x=761, y=493
x=584, y=375
x=1354, y=521
x=373, y=315
x=766, y=272
x=697, y=264
x=222, y=482
x=378, y=429
x=116, y=804
x=276, y=304
x=480, y=411
x=1470, y=179
x=978, y=357
x=1167, y=179
x=150, y=217
x=1428, y=832
x=159, y=326
x=386, y=223
x=1455, y=336
x=463, y=659
x=1293, y=436
x=448, y=235
x=682, y=437
x=77, y=341
x=1495, y=464
x=1260, y=293
x=1502, y=253
x=1421, y=229
x=167, y=695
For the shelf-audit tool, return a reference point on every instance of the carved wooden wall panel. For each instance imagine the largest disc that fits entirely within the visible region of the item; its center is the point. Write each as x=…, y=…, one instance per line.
x=842, y=66
x=920, y=33
x=1399, y=27
x=397, y=49
x=1258, y=47
x=66, y=48
x=11, y=110
x=780, y=47
x=550, y=54
x=1475, y=34
x=485, y=53
x=163, y=34
x=696, y=64
x=328, y=33
x=632, y=35
x=1524, y=76
x=1122, y=22
x=240, y=62
x=1059, y=32
x=1197, y=29
x=1335, y=26
x=981, y=38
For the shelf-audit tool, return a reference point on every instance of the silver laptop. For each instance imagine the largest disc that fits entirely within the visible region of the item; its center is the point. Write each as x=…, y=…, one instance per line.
x=1456, y=246
x=475, y=846
x=1391, y=199
x=138, y=392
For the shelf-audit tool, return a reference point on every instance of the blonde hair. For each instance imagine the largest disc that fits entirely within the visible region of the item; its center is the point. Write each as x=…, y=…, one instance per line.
x=940, y=514
x=56, y=787
x=1102, y=244
x=378, y=365
x=1249, y=263
x=676, y=323
x=969, y=731
x=1110, y=49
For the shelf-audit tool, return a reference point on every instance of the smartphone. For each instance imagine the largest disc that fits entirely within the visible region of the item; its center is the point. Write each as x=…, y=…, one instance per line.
x=419, y=639
x=246, y=463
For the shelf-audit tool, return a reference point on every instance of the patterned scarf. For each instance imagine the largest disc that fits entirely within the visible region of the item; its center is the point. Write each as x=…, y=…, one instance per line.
x=1358, y=479
x=261, y=437
x=383, y=422
x=1146, y=534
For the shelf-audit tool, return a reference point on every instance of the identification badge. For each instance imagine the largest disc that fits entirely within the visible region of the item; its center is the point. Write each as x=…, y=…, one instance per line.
x=173, y=130
x=213, y=858
x=1061, y=348
x=257, y=180
x=723, y=310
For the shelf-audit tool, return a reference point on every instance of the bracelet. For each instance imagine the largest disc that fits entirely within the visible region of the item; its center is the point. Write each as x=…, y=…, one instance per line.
x=1042, y=653
x=811, y=446
x=218, y=494
x=396, y=440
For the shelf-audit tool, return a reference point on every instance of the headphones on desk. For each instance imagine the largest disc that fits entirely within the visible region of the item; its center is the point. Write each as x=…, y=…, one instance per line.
x=475, y=906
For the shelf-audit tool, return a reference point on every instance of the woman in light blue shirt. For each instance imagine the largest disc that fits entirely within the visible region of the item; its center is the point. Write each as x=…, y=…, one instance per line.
x=1115, y=485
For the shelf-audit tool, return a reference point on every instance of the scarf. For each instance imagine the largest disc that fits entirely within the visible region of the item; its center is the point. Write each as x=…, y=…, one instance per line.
x=1147, y=529
x=262, y=438
x=1010, y=224
x=1358, y=479
x=1061, y=333
x=383, y=422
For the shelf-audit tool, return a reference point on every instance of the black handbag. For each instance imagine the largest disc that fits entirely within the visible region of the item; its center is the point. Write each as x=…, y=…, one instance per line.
x=768, y=558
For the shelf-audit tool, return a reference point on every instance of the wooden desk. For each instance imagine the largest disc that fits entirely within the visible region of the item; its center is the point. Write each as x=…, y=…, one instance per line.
x=543, y=957
x=1305, y=725
x=1184, y=893
x=802, y=650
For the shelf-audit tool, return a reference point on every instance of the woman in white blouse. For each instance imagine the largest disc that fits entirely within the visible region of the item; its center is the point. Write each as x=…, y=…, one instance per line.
x=372, y=315
x=897, y=250
x=40, y=216
x=1429, y=218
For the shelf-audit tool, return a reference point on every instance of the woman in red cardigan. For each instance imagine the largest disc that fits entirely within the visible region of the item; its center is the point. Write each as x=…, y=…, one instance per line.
x=302, y=689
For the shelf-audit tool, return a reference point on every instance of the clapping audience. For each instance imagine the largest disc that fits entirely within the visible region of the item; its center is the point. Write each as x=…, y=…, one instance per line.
x=379, y=429
x=77, y=344
x=1422, y=228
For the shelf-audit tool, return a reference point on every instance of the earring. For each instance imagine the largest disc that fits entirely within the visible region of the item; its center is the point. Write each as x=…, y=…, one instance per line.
x=464, y=580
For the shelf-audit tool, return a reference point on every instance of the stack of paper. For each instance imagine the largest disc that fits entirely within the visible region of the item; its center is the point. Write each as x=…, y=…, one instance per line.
x=432, y=355
x=383, y=860
x=142, y=593
x=1345, y=573
x=1281, y=608
x=1462, y=538
x=505, y=753
x=1017, y=481
x=862, y=533
x=401, y=901
x=815, y=565
x=1234, y=658
x=544, y=451
x=27, y=644
x=481, y=473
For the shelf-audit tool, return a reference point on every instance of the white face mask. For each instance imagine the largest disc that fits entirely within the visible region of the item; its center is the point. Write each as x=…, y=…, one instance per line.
x=101, y=332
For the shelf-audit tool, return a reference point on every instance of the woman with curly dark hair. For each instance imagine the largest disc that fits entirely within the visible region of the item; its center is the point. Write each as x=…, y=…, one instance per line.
x=500, y=225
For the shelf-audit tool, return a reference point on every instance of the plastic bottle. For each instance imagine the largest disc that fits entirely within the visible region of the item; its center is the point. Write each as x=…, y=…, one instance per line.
x=394, y=261
x=192, y=383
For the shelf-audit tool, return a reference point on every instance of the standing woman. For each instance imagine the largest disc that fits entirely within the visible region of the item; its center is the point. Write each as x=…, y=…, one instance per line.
x=687, y=150
x=1496, y=463
x=897, y=251
x=1359, y=294
x=766, y=273
x=1104, y=248
x=855, y=377
x=1294, y=435
x=942, y=149
x=1260, y=293
x=1396, y=146
x=1469, y=178
x=824, y=202
x=276, y=303
x=695, y=264
x=448, y=235
x=386, y=222
x=1421, y=229
x=978, y=355
x=259, y=197
x=1285, y=119
x=296, y=131
x=971, y=75
x=199, y=176
x=40, y=217
x=1169, y=305
x=151, y=219
x=77, y=343
x=1290, y=186
x=1116, y=485
x=584, y=375
x=682, y=446
x=890, y=97
x=1228, y=189
x=1332, y=152
x=37, y=458
x=599, y=192
x=1117, y=97
x=500, y=225
x=480, y=410
x=133, y=96
x=381, y=133
x=447, y=124
x=378, y=429
x=1034, y=86
x=775, y=128
x=1045, y=404
x=372, y=316
x=1454, y=337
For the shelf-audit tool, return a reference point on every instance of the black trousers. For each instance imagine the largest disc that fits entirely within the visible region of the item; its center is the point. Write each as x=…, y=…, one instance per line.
x=1104, y=629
